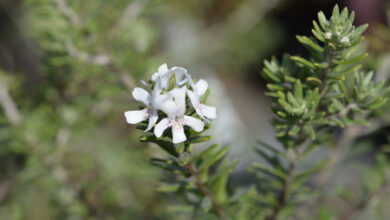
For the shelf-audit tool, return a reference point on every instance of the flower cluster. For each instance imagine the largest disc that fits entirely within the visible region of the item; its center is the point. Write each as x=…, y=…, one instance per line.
x=167, y=100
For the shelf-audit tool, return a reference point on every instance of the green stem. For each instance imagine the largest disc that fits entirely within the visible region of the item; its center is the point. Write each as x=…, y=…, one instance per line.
x=347, y=215
x=283, y=195
x=206, y=192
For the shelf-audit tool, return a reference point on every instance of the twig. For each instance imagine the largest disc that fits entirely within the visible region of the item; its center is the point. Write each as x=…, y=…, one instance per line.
x=98, y=59
x=350, y=133
x=363, y=203
x=217, y=208
x=13, y=115
x=9, y=106
x=68, y=12
x=283, y=196
x=103, y=59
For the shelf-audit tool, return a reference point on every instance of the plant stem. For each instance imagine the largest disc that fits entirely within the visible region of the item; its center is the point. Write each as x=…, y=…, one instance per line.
x=349, y=135
x=216, y=207
x=363, y=203
x=10, y=109
x=282, y=198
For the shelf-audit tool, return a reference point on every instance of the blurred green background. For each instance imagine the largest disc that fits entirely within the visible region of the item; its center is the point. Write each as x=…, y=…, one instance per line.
x=67, y=68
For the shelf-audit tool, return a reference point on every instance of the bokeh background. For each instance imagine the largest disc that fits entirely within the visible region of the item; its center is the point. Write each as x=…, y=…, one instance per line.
x=67, y=68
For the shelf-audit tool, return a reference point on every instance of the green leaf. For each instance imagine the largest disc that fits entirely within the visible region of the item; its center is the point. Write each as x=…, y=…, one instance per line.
x=335, y=14
x=172, y=82
x=303, y=62
x=344, y=15
x=181, y=208
x=274, y=87
x=272, y=158
x=224, y=170
x=206, y=152
x=286, y=106
x=198, y=139
x=170, y=165
x=270, y=171
x=309, y=43
x=269, y=147
x=270, y=76
x=352, y=60
x=318, y=31
x=309, y=172
x=298, y=93
x=168, y=188
x=323, y=21
x=344, y=90
x=313, y=80
x=294, y=131
x=318, y=35
x=220, y=182
x=291, y=99
x=310, y=131
x=355, y=34
x=213, y=158
x=380, y=102
x=165, y=145
x=204, y=97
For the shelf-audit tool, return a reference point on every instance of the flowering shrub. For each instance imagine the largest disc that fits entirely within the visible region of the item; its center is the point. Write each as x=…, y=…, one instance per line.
x=168, y=97
x=312, y=98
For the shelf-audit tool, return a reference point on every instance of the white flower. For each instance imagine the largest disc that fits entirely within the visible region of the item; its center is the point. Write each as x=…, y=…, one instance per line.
x=328, y=35
x=152, y=102
x=162, y=76
x=181, y=75
x=201, y=109
x=345, y=40
x=175, y=108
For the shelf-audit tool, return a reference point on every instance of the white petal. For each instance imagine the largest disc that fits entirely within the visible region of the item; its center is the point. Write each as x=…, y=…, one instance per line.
x=145, y=83
x=155, y=76
x=193, y=98
x=181, y=75
x=178, y=135
x=201, y=86
x=169, y=107
x=134, y=117
x=208, y=111
x=194, y=123
x=179, y=96
x=163, y=68
x=159, y=100
x=152, y=120
x=141, y=95
x=161, y=126
x=164, y=80
x=156, y=91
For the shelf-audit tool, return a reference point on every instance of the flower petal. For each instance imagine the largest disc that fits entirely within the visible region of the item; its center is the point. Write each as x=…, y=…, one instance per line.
x=193, y=98
x=161, y=127
x=181, y=75
x=169, y=107
x=141, y=95
x=194, y=123
x=179, y=97
x=152, y=120
x=163, y=68
x=208, y=111
x=155, y=76
x=201, y=86
x=134, y=117
x=145, y=83
x=178, y=135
